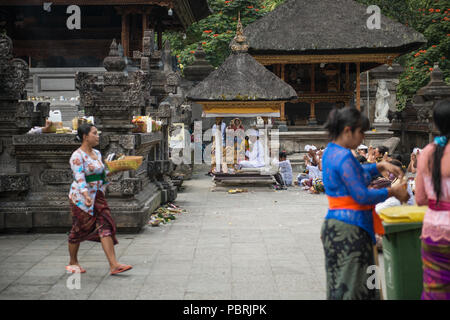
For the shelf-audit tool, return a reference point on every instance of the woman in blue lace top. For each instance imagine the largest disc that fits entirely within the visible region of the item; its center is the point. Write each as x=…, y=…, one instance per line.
x=348, y=233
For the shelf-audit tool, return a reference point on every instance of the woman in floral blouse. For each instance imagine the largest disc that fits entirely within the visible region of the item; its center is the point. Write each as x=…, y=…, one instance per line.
x=91, y=216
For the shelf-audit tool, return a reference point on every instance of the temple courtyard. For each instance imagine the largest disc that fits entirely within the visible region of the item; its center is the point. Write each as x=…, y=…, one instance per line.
x=262, y=244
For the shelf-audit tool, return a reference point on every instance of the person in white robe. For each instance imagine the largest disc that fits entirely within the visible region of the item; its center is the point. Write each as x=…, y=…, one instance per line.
x=255, y=154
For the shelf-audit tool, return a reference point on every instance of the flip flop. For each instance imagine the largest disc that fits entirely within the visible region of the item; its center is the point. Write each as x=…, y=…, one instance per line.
x=75, y=269
x=122, y=268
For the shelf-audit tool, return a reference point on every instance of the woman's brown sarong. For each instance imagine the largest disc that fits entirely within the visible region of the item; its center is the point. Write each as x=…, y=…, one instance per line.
x=92, y=228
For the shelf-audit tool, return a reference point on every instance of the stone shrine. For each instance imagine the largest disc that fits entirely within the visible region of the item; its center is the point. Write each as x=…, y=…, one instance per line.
x=414, y=124
x=36, y=177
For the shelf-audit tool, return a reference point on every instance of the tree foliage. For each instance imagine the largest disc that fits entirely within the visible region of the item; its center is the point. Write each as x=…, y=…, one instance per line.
x=216, y=31
x=429, y=17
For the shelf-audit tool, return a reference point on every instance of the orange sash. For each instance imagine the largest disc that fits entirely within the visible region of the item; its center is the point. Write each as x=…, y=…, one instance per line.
x=348, y=203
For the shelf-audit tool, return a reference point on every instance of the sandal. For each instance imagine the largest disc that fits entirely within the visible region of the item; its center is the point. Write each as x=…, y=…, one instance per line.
x=121, y=268
x=73, y=268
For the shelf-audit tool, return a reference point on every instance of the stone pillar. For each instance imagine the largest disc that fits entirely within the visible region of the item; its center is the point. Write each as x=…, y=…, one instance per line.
x=113, y=100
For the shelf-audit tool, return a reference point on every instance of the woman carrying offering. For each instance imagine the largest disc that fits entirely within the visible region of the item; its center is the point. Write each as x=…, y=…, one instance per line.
x=348, y=233
x=91, y=216
x=433, y=189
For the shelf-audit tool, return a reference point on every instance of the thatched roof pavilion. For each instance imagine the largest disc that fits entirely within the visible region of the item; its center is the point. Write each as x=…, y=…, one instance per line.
x=327, y=26
x=241, y=86
x=327, y=32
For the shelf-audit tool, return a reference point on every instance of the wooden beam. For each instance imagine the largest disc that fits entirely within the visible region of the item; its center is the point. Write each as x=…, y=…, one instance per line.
x=125, y=34
x=358, y=86
x=312, y=105
x=283, y=109
x=347, y=77
x=339, y=77
x=160, y=44
x=144, y=22
x=323, y=97
x=312, y=112
x=329, y=58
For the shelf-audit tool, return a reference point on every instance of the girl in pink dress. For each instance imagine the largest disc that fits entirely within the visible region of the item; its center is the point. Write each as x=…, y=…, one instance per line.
x=433, y=189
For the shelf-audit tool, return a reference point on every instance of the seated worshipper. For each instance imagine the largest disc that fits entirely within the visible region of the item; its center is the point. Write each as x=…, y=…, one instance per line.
x=362, y=150
x=237, y=124
x=285, y=170
x=255, y=154
x=382, y=153
x=371, y=155
x=317, y=183
x=412, y=167
x=311, y=155
x=312, y=164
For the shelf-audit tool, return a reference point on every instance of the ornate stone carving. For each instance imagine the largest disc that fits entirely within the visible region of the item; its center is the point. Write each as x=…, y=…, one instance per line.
x=200, y=68
x=239, y=43
x=148, y=138
x=24, y=115
x=13, y=72
x=148, y=42
x=57, y=176
x=14, y=182
x=127, y=141
x=47, y=139
x=114, y=62
x=130, y=186
x=6, y=48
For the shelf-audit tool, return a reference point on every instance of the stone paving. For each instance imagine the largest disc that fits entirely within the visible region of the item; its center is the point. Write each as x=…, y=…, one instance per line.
x=263, y=244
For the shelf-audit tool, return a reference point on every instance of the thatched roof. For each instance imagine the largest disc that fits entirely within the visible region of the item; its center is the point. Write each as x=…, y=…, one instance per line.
x=241, y=77
x=327, y=26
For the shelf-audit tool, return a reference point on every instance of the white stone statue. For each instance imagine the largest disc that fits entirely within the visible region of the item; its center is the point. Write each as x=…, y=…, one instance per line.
x=382, y=104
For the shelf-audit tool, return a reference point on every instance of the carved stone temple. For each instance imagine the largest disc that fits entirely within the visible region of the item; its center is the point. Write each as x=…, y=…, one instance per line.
x=35, y=176
x=414, y=124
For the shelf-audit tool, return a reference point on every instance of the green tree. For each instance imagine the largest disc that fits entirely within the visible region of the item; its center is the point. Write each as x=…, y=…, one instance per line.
x=216, y=31
x=431, y=18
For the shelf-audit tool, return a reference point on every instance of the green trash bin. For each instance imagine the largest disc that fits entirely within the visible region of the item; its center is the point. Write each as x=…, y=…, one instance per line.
x=403, y=260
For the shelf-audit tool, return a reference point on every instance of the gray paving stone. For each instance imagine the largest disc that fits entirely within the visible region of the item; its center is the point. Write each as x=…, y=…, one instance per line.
x=125, y=286
x=180, y=267
x=23, y=258
x=254, y=290
x=205, y=283
x=210, y=295
x=297, y=282
x=24, y=292
x=257, y=245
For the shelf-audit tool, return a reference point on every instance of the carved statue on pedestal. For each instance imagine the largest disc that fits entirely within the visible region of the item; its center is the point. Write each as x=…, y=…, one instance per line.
x=382, y=104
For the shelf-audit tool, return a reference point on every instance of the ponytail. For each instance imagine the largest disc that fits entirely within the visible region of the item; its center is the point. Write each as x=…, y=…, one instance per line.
x=441, y=117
